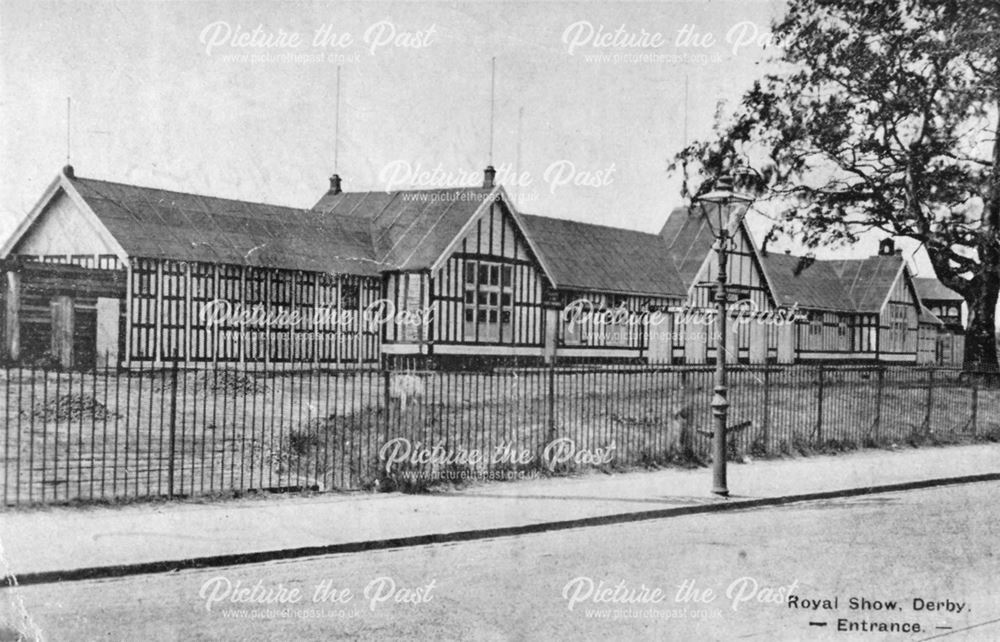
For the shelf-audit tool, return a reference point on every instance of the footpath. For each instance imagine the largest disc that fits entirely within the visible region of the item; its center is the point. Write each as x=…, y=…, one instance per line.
x=81, y=542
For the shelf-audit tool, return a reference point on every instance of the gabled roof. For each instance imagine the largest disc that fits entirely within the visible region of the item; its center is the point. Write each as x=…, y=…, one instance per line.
x=60, y=186
x=410, y=229
x=354, y=233
x=372, y=232
x=807, y=283
x=869, y=280
x=688, y=240
x=600, y=258
x=156, y=223
x=930, y=289
x=855, y=285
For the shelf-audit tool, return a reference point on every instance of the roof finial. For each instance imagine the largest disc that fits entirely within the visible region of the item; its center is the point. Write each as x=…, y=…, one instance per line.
x=68, y=169
x=489, y=175
x=493, y=84
x=336, y=126
x=684, y=168
x=335, y=179
x=520, y=128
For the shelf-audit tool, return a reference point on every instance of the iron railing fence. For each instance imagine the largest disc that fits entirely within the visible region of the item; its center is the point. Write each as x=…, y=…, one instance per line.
x=107, y=435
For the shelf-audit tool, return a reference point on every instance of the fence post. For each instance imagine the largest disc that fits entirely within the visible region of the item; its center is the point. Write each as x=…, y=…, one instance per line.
x=386, y=399
x=173, y=427
x=930, y=401
x=975, y=404
x=552, y=403
x=877, y=423
x=819, y=409
x=767, y=410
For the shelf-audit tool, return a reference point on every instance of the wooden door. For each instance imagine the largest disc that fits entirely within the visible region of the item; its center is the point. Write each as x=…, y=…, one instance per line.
x=61, y=344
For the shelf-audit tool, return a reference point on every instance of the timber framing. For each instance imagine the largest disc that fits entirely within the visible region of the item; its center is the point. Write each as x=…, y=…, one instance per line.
x=439, y=275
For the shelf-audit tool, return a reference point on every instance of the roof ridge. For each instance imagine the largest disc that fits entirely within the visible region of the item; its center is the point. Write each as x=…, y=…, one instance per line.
x=600, y=225
x=195, y=194
x=419, y=189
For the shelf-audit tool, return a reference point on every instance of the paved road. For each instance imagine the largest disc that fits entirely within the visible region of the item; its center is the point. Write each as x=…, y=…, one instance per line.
x=648, y=580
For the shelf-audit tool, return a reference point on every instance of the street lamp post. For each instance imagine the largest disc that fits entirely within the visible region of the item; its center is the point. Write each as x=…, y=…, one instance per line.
x=724, y=209
x=720, y=400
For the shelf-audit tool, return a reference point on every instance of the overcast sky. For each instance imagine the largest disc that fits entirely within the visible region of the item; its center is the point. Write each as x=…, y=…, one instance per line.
x=161, y=97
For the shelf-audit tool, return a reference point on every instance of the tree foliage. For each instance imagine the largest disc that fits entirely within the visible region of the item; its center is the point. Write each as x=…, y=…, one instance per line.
x=883, y=116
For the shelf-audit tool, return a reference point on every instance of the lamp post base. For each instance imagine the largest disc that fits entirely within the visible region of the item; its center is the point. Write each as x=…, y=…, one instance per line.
x=720, y=407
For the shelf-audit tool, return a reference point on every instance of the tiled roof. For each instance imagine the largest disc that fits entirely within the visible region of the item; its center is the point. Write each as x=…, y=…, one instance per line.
x=356, y=233
x=857, y=285
x=806, y=282
x=155, y=223
x=410, y=229
x=688, y=239
x=370, y=232
x=930, y=289
x=869, y=280
x=610, y=259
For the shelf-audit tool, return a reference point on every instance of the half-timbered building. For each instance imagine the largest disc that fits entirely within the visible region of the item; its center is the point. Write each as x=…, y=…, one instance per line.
x=753, y=329
x=356, y=278
x=615, y=290
x=206, y=279
x=946, y=306
x=856, y=309
x=110, y=272
x=944, y=303
x=460, y=277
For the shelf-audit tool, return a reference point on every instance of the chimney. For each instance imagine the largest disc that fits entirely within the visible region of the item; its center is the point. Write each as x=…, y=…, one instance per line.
x=68, y=171
x=335, y=184
x=488, y=177
x=886, y=247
